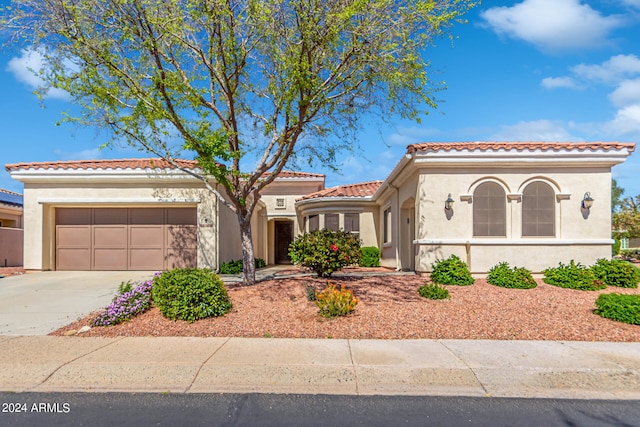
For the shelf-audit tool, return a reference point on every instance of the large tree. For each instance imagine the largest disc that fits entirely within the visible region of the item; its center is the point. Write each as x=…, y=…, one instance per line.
x=616, y=195
x=626, y=220
x=221, y=80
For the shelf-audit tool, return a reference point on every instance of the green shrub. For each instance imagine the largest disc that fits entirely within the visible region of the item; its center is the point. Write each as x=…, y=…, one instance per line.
x=617, y=272
x=451, y=271
x=619, y=307
x=235, y=266
x=311, y=292
x=433, y=291
x=333, y=302
x=370, y=256
x=633, y=254
x=325, y=251
x=190, y=294
x=516, y=278
x=615, y=248
x=573, y=276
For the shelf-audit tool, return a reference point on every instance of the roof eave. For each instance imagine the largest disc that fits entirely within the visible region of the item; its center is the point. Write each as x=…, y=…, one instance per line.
x=400, y=166
x=334, y=199
x=36, y=175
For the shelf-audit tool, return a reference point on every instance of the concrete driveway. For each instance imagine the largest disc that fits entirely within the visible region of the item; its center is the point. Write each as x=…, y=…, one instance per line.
x=39, y=303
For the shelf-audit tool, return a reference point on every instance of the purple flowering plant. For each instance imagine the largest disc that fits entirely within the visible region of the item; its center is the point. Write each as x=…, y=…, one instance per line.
x=126, y=305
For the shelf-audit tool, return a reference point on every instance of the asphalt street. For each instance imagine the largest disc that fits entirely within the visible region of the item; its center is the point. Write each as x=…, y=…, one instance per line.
x=152, y=409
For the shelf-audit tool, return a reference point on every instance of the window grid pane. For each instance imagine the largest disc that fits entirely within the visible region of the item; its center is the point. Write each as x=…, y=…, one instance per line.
x=538, y=210
x=489, y=211
x=331, y=222
x=352, y=222
x=314, y=223
x=387, y=226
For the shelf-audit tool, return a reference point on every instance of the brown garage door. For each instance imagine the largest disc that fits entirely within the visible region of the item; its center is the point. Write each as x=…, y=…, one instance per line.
x=125, y=238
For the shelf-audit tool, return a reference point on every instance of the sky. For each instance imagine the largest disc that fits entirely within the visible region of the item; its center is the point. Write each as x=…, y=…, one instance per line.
x=531, y=70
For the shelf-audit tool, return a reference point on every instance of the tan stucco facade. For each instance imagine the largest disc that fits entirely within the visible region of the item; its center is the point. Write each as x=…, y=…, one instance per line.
x=404, y=216
x=217, y=225
x=427, y=179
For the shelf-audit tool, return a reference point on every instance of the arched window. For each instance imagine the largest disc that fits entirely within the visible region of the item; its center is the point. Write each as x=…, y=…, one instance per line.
x=489, y=210
x=538, y=210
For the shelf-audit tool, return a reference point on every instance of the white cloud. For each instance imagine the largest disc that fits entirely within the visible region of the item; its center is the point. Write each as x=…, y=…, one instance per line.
x=25, y=69
x=632, y=3
x=553, y=25
x=626, y=122
x=559, y=82
x=538, y=130
x=411, y=135
x=627, y=93
x=616, y=69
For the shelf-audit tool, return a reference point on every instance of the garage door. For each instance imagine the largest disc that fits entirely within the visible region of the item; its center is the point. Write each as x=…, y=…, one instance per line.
x=125, y=238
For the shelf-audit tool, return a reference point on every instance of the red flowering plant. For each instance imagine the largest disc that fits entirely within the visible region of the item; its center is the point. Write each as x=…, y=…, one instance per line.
x=325, y=251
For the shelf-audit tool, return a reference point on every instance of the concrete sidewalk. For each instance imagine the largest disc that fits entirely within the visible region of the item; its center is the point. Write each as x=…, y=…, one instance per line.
x=540, y=369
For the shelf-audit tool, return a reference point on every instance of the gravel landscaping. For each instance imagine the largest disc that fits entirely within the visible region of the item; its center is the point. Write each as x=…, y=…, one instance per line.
x=390, y=308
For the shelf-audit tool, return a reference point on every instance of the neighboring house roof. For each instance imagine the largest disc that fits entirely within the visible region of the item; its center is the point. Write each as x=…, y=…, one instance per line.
x=519, y=146
x=361, y=190
x=10, y=198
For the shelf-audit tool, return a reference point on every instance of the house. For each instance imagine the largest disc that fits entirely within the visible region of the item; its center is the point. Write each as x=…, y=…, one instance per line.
x=531, y=204
x=10, y=229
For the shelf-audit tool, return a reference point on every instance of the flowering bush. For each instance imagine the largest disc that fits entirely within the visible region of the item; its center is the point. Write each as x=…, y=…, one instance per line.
x=126, y=304
x=333, y=302
x=325, y=251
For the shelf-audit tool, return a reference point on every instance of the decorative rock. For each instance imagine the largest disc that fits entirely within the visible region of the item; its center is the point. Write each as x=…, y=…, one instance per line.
x=70, y=332
x=84, y=329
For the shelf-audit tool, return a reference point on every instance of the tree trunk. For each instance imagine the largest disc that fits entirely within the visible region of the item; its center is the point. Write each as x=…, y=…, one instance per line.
x=248, y=259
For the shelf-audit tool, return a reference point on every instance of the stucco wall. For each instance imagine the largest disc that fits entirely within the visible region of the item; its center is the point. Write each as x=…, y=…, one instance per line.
x=400, y=196
x=579, y=234
x=10, y=247
x=41, y=199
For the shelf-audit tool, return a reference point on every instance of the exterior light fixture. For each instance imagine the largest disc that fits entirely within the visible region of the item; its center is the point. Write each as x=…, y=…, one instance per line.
x=448, y=204
x=587, y=201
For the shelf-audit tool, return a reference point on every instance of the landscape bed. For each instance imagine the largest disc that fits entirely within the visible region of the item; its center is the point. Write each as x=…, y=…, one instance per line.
x=390, y=308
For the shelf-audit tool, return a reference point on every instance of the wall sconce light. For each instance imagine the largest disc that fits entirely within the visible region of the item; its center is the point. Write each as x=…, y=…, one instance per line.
x=448, y=204
x=587, y=201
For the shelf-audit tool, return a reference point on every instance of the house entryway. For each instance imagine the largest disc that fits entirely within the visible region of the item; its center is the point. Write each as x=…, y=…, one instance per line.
x=283, y=238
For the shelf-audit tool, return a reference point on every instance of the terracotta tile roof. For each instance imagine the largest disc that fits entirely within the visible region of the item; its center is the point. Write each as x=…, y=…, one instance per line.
x=122, y=164
x=364, y=189
x=101, y=164
x=292, y=174
x=519, y=146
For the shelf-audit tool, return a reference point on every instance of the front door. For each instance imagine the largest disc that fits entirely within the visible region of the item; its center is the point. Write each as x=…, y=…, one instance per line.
x=284, y=237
